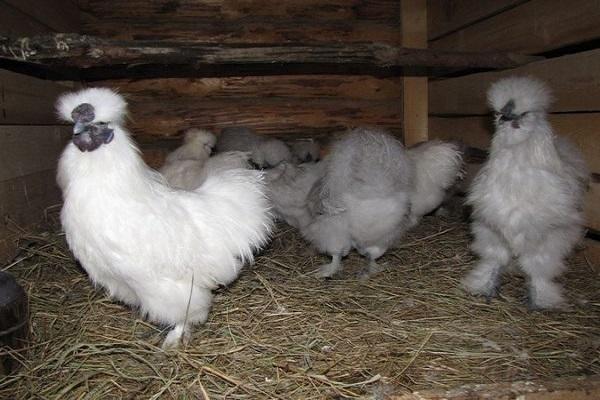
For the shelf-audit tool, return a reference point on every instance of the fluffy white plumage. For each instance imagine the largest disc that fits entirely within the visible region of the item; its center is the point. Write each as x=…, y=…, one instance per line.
x=265, y=153
x=527, y=198
x=190, y=164
x=151, y=246
x=437, y=165
x=197, y=145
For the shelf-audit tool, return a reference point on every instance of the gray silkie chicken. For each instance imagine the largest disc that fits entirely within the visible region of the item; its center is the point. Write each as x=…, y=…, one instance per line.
x=527, y=199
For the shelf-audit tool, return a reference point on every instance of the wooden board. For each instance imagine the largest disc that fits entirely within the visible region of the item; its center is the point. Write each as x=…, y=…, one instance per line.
x=566, y=388
x=252, y=87
x=245, y=21
x=26, y=100
x=582, y=129
x=574, y=80
x=22, y=203
x=414, y=97
x=448, y=16
x=533, y=27
x=30, y=149
x=57, y=15
x=267, y=116
x=14, y=22
x=592, y=254
x=592, y=211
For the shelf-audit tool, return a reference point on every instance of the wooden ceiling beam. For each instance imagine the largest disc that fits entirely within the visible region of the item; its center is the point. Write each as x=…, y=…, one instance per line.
x=89, y=53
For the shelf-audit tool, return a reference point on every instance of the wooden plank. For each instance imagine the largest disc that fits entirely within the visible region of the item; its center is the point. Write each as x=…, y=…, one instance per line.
x=592, y=212
x=531, y=28
x=234, y=10
x=73, y=50
x=23, y=201
x=27, y=100
x=582, y=129
x=473, y=131
x=57, y=15
x=14, y=22
x=29, y=149
x=360, y=87
x=267, y=116
x=414, y=102
x=592, y=254
x=249, y=30
x=450, y=15
x=574, y=80
x=567, y=388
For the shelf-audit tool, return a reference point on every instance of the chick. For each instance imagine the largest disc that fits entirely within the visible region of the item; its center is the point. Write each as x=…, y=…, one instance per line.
x=527, y=198
x=265, y=153
x=288, y=188
x=153, y=247
x=197, y=145
x=363, y=199
x=305, y=151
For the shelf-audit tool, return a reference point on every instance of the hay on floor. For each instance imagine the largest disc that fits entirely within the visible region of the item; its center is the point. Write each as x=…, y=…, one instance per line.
x=278, y=332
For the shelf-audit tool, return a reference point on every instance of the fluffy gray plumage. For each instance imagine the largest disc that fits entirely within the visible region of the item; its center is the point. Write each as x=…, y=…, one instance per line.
x=358, y=197
x=364, y=194
x=437, y=166
x=305, y=151
x=265, y=153
x=527, y=198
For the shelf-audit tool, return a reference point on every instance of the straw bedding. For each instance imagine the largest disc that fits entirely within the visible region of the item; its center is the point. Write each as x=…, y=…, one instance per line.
x=278, y=332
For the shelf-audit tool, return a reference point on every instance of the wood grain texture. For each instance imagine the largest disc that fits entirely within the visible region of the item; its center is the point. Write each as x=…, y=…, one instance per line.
x=280, y=105
x=582, y=129
x=445, y=16
x=533, y=27
x=568, y=388
x=574, y=80
x=415, y=103
x=592, y=211
x=267, y=116
x=30, y=149
x=81, y=51
x=245, y=21
x=14, y=22
x=251, y=87
x=22, y=203
x=57, y=15
x=28, y=101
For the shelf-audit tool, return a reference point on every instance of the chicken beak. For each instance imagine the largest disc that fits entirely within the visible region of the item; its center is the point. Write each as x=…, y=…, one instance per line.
x=506, y=113
x=79, y=127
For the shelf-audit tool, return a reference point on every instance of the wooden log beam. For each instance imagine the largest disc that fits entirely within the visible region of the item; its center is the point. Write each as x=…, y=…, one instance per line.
x=87, y=52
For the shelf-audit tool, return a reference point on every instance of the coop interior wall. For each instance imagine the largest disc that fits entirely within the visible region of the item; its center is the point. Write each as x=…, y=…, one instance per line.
x=567, y=33
x=30, y=136
x=292, y=106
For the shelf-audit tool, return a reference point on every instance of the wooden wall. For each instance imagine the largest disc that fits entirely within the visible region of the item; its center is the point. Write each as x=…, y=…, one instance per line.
x=568, y=33
x=285, y=105
x=30, y=137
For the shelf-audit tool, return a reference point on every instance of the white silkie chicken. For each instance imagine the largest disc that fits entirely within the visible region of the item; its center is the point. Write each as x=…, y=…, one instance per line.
x=527, y=198
x=265, y=153
x=151, y=246
x=437, y=165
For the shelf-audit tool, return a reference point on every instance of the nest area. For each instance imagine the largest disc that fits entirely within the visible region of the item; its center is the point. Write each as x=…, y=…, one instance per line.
x=278, y=332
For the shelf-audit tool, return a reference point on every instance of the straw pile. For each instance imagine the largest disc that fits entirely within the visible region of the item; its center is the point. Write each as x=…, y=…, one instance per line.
x=280, y=333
